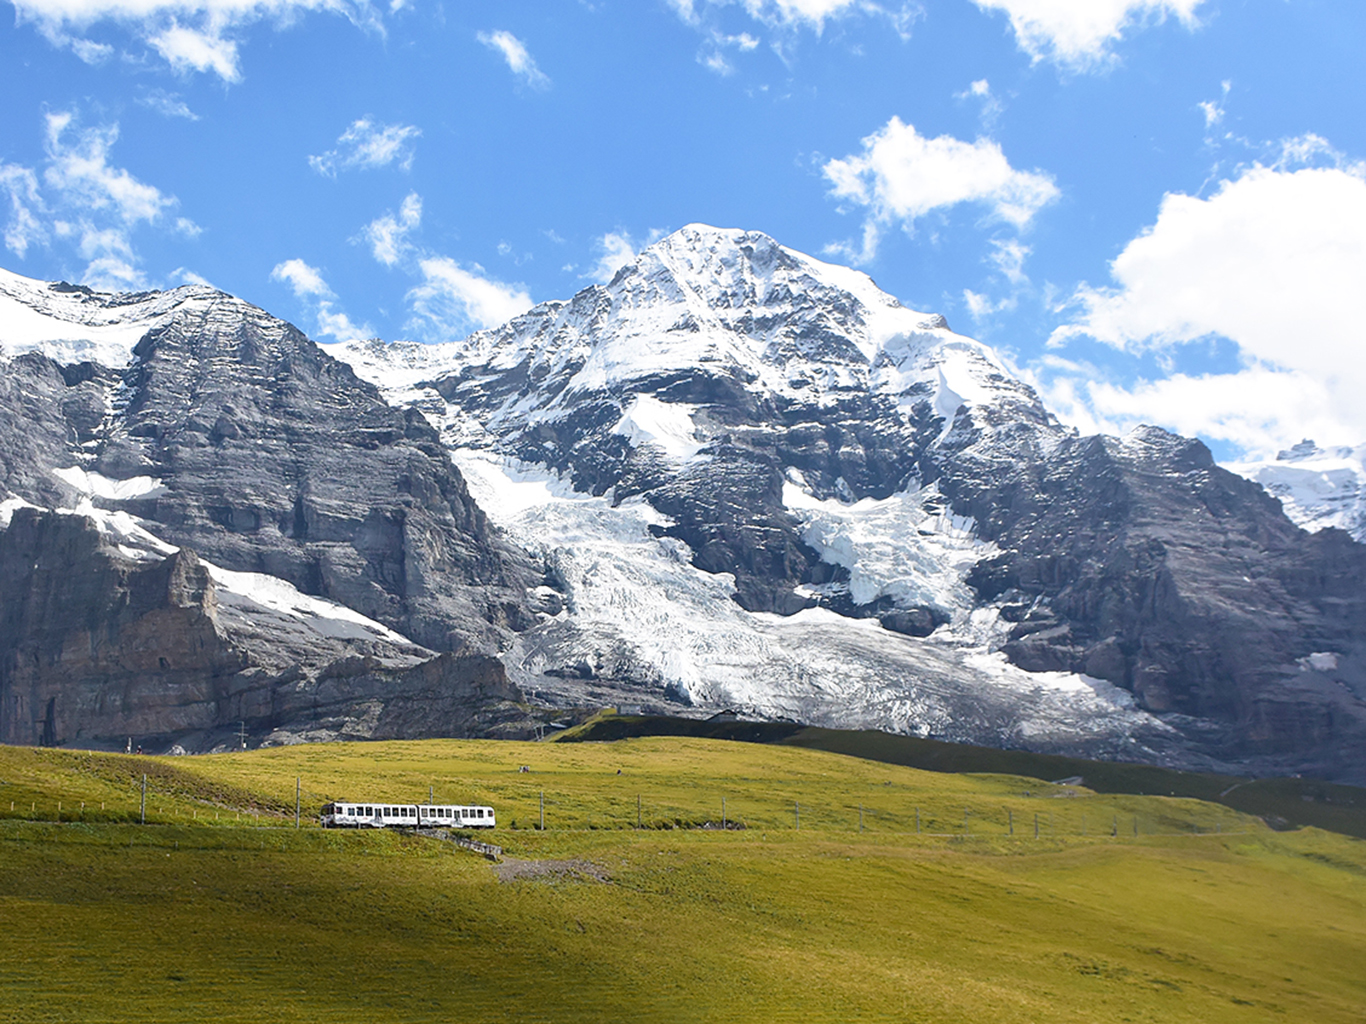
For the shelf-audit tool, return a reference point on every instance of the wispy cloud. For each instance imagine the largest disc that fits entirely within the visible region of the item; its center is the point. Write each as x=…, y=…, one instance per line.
x=388, y=234
x=1080, y=35
x=806, y=14
x=167, y=104
x=27, y=211
x=781, y=21
x=367, y=145
x=190, y=35
x=901, y=176
x=452, y=299
x=308, y=285
x=82, y=200
x=615, y=250
x=518, y=59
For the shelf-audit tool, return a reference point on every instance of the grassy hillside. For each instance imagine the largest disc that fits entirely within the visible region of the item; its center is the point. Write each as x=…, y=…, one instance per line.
x=1206, y=915
x=1285, y=802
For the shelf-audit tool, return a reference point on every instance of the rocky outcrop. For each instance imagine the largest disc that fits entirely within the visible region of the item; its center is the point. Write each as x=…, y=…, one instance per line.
x=99, y=649
x=97, y=646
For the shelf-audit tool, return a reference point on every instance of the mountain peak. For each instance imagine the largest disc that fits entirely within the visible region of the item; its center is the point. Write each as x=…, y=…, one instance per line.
x=72, y=323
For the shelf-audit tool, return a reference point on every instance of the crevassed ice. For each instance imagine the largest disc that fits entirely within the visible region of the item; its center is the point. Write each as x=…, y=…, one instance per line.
x=906, y=547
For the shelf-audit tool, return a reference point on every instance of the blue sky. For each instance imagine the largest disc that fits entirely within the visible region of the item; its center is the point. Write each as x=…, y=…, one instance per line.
x=1156, y=209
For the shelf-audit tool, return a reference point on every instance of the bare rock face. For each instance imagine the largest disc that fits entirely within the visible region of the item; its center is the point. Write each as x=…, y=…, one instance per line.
x=747, y=433
x=1141, y=562
x=99, y=647
x=277, y=459
x=227, y=434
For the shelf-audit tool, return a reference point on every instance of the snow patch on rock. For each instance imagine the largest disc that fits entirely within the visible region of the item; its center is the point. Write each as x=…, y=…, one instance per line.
x=667, y=426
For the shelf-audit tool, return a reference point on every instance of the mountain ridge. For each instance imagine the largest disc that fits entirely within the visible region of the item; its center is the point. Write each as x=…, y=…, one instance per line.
x=732, y=476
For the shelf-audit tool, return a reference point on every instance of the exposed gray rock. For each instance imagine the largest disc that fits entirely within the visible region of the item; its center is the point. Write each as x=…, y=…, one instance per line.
x=97, y=648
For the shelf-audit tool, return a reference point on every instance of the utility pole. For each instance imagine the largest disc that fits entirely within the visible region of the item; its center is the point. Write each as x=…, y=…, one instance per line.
x=637, y=810
x=1010, y=820
x=723, y=813
x=542, y=810
x=242, y=733
x=298, y=784
x=142, y=808
x=1036, y=825
x=430, y=790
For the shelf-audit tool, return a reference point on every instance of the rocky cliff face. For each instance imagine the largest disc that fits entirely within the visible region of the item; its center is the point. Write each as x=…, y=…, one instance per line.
x=221, y=431
x=98, y=646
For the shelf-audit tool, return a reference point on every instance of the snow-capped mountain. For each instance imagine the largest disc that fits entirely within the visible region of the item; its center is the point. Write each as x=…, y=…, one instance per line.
x=908, y=539
x=734, y=475
x=1318, y=487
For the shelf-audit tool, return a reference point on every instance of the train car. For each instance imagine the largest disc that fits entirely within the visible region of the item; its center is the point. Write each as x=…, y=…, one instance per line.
x=346, y=814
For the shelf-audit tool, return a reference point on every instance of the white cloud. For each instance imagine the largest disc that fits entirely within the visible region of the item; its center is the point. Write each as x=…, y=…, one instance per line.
x=901, y=176
x=167, y=105
x=190, y=49
x=91, y=52
x=1007, y=256
x=366, y=145
x=617, y=251
x=1273, y=261
x=1214, y=109
x=519, y=60
x=452, y=300
x=1257, y=411
x=191, y=35
x=992, y=107
x=713, y=56
x=388, y=235
x=305, y=280
x=79, y=167
x=308, y=285
x=82, y=200
x=808, y=14
x=1079, y=34
x=26, y=205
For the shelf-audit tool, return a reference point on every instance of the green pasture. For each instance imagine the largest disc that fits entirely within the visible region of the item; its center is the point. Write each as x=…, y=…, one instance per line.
x=220, y=909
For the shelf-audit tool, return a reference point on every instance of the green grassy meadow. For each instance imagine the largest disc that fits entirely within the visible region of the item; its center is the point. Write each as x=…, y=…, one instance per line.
x=220, y=909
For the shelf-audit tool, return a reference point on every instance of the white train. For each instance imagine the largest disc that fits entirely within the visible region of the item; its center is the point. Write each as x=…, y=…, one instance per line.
x=368, y=815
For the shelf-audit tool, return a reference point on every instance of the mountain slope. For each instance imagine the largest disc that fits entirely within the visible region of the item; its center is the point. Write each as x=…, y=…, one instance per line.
x=734, y=476
x=729, y=418
x=217, y=432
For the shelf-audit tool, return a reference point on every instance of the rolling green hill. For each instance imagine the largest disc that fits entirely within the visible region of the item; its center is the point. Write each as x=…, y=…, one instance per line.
x=1282, y=802
x=1125, y=907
